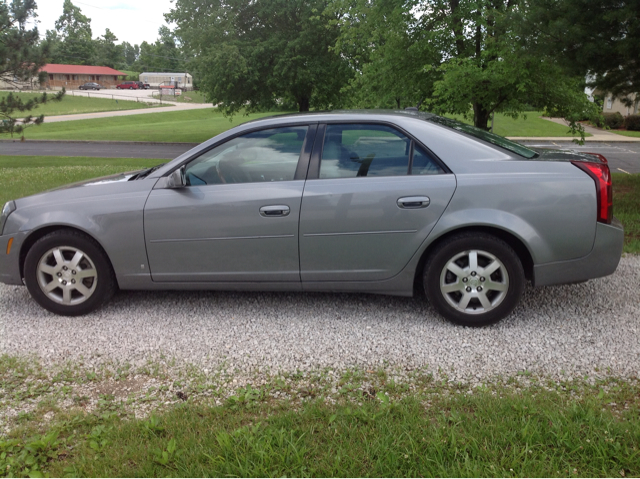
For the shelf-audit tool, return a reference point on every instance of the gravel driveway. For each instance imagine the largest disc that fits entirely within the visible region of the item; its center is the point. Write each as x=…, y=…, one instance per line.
x=564, y=331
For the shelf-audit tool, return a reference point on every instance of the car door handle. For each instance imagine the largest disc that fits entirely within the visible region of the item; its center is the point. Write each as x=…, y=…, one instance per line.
x=413, y=202
x=274, y=210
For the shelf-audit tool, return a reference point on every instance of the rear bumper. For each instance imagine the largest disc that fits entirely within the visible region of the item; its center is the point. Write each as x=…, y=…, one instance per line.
x=601, y=261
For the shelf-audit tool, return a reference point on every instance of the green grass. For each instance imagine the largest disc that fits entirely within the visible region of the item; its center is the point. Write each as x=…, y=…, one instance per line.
x=71, y=105
x=626, y=207
x=495, y=431
x=190, y=126
x=26, y=175
x=635, y=134
x=531, y=126
x=188, y=97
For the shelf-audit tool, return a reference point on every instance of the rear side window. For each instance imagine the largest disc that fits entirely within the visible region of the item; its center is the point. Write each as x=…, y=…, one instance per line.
x=424, y=164
x=356, y=150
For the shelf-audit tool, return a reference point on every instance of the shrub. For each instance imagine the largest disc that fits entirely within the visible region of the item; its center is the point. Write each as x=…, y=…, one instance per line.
x=632, y=122
x=613, y=120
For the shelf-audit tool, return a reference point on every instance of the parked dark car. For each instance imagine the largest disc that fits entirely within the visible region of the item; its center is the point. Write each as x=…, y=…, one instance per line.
x=90, y=86
x=143, y=86
x=392, y=202
x=128, y=85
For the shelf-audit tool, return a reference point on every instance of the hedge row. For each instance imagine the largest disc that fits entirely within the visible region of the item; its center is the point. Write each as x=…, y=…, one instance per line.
x=616, y=120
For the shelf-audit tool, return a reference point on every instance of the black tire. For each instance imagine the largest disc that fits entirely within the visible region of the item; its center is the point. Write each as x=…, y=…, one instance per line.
x=49, y=262
x=463, y=296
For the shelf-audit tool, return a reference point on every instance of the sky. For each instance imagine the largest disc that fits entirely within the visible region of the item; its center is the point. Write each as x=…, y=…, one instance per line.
x=132, y=21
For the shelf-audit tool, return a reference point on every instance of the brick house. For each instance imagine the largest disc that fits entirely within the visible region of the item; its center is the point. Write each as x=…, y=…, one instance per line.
x=72, y=76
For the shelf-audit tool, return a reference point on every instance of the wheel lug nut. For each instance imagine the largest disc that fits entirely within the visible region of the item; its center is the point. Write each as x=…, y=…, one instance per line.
x=73, y=281
x=464, y=280
x=74, y=272
x=65, y=268
x=64, y=282
x=473, y=273
x=468, y=289
x=481, y=278
x=58, y=274
x=479, y=288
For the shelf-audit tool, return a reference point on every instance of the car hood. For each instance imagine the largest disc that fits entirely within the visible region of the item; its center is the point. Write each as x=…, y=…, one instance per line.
x=103, y=180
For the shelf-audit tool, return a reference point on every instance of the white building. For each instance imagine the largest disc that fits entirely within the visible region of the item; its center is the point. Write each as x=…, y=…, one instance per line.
x=155, y=79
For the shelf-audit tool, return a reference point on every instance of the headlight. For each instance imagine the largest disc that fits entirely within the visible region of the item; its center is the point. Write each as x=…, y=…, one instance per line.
x=9, y=208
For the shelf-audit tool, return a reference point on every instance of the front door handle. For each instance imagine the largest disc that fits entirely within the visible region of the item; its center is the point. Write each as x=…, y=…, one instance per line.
x=413, y=202
x=274, y=210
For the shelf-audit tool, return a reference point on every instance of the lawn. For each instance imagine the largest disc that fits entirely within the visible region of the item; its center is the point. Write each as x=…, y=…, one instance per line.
x=529, y=125
x=188, y=97
x=190, y=126
x=197, y=126
x=635, y=134
x=358, y=424
x=26, y=175
x=71, y=105
x=626, y=207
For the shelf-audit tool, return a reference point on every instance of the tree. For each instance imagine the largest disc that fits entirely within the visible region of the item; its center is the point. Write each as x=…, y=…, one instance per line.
x=162, y=56
x=596, y=37
x=261, y=54
x=459, y=56
x=21, y=57
x=74, y=29
x=21, y=54
x=108, y=53
x=131, y=53
x=386, y=52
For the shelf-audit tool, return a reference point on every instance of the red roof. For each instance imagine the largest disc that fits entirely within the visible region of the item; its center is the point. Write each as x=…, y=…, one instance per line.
x=79, y=69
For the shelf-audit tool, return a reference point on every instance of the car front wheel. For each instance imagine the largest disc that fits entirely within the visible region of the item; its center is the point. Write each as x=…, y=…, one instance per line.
x=474, y=279
x=67, y=273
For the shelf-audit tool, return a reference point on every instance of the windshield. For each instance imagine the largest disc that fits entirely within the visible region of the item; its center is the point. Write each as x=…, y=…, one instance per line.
x=483, y=135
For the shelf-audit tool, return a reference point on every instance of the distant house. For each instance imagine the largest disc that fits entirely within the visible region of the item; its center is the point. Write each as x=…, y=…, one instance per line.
x=615, y=104
x=155, y=79
x=72, y=76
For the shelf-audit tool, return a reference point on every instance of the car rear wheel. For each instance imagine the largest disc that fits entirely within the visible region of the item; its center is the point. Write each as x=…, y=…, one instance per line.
x=474, y=279
x=67, y=273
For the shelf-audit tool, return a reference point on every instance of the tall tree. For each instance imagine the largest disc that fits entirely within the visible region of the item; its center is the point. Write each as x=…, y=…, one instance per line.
x=259, y=54
x=130, y=52
x=21, y=54
x=21, y=57
x=162, y=56
x=596, y=37
x=108, y=53
x=74, y=28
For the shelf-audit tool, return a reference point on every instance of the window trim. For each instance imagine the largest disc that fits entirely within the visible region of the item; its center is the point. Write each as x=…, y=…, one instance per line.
x=316, y=156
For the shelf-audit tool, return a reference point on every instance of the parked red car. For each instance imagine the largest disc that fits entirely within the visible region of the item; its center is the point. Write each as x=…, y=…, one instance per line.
x=130, y=85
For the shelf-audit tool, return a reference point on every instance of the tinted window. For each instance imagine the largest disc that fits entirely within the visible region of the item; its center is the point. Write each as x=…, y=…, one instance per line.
x=424, y=164
x=267, y=155
x=364, y=150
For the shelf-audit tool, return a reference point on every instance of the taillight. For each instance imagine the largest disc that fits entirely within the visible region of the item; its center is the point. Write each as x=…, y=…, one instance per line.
x=602, y=176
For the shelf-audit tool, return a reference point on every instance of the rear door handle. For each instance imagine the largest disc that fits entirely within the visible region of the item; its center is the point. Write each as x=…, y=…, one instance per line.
x=413, y=202
x=274, y=210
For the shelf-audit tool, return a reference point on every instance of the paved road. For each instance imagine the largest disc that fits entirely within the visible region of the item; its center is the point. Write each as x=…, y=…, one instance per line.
x=622, y=156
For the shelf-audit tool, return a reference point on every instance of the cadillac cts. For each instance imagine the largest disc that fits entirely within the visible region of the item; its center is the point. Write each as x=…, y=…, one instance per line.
x=379, y=202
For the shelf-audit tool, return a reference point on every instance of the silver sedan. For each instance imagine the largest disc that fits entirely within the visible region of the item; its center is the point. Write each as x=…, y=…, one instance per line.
x=379, y=202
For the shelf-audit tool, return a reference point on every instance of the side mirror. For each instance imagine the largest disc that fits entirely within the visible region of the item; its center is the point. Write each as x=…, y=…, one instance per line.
x=177, y=179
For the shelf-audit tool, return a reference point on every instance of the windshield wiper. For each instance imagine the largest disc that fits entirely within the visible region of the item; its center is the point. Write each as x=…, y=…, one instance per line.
x=145, y=173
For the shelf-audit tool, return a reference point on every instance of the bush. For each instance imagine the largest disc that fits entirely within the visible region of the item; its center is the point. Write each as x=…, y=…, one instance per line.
x=632, y=122
x=613, y=120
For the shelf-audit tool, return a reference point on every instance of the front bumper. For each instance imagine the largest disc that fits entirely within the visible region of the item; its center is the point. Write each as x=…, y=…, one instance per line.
x=601, y=261
x=10, y=263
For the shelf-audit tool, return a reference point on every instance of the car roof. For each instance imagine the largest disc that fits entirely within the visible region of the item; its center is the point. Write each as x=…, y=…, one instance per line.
x=345, y=115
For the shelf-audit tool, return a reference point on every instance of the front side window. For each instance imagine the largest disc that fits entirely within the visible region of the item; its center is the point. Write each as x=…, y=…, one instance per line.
x=353, y=150
x=260, y=156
